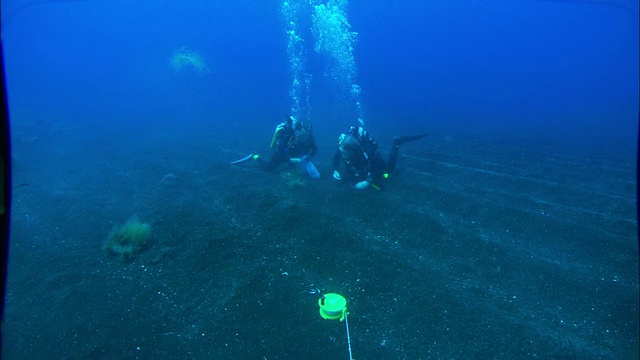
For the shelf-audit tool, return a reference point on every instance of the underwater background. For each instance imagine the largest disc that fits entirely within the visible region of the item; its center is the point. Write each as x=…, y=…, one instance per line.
x=509, y=232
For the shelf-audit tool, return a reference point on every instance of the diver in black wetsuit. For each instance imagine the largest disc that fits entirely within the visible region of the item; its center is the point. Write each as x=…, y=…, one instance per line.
x=364, y=166
x=293, y=142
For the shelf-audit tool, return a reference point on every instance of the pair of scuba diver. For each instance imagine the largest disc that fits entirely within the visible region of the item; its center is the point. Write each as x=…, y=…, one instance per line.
x=364, y=167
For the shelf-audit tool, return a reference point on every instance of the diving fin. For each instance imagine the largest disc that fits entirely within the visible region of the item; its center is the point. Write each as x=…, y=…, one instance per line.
x=248, y=157
x=399, y=140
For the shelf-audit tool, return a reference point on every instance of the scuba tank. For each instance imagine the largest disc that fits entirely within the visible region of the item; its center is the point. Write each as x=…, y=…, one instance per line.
x=277, y=134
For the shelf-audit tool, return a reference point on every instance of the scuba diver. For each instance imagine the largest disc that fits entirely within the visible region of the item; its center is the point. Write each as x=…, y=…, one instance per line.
x=293, y=143
x=364, y=166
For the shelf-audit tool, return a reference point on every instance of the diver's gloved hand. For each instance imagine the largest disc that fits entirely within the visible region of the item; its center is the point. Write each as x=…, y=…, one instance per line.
x=362, y=185
x=336, y=175
x=295, y=160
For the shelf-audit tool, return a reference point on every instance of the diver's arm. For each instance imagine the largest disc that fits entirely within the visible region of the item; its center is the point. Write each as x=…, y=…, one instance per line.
x=337, y=158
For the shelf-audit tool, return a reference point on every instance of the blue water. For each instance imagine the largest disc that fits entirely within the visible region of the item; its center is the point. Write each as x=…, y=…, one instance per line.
x=509, y=232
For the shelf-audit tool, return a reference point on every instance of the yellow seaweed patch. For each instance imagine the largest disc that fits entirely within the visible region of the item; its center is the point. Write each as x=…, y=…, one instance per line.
x=128, y=240
x=184, y=59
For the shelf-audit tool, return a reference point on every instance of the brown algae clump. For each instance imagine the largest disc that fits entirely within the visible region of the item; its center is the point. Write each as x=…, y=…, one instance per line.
x=128, y=240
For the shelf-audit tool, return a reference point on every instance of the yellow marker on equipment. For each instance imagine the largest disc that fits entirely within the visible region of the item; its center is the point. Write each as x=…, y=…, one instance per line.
x=275, y=136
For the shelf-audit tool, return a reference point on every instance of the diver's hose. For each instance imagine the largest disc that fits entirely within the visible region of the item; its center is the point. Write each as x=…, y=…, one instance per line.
x=346, y=323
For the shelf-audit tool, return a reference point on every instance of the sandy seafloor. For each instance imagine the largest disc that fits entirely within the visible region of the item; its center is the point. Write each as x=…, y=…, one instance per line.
x=483, y=245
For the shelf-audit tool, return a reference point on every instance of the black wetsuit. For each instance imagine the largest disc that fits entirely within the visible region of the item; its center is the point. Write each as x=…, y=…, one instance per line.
x=288, y=147
x=365, y=163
